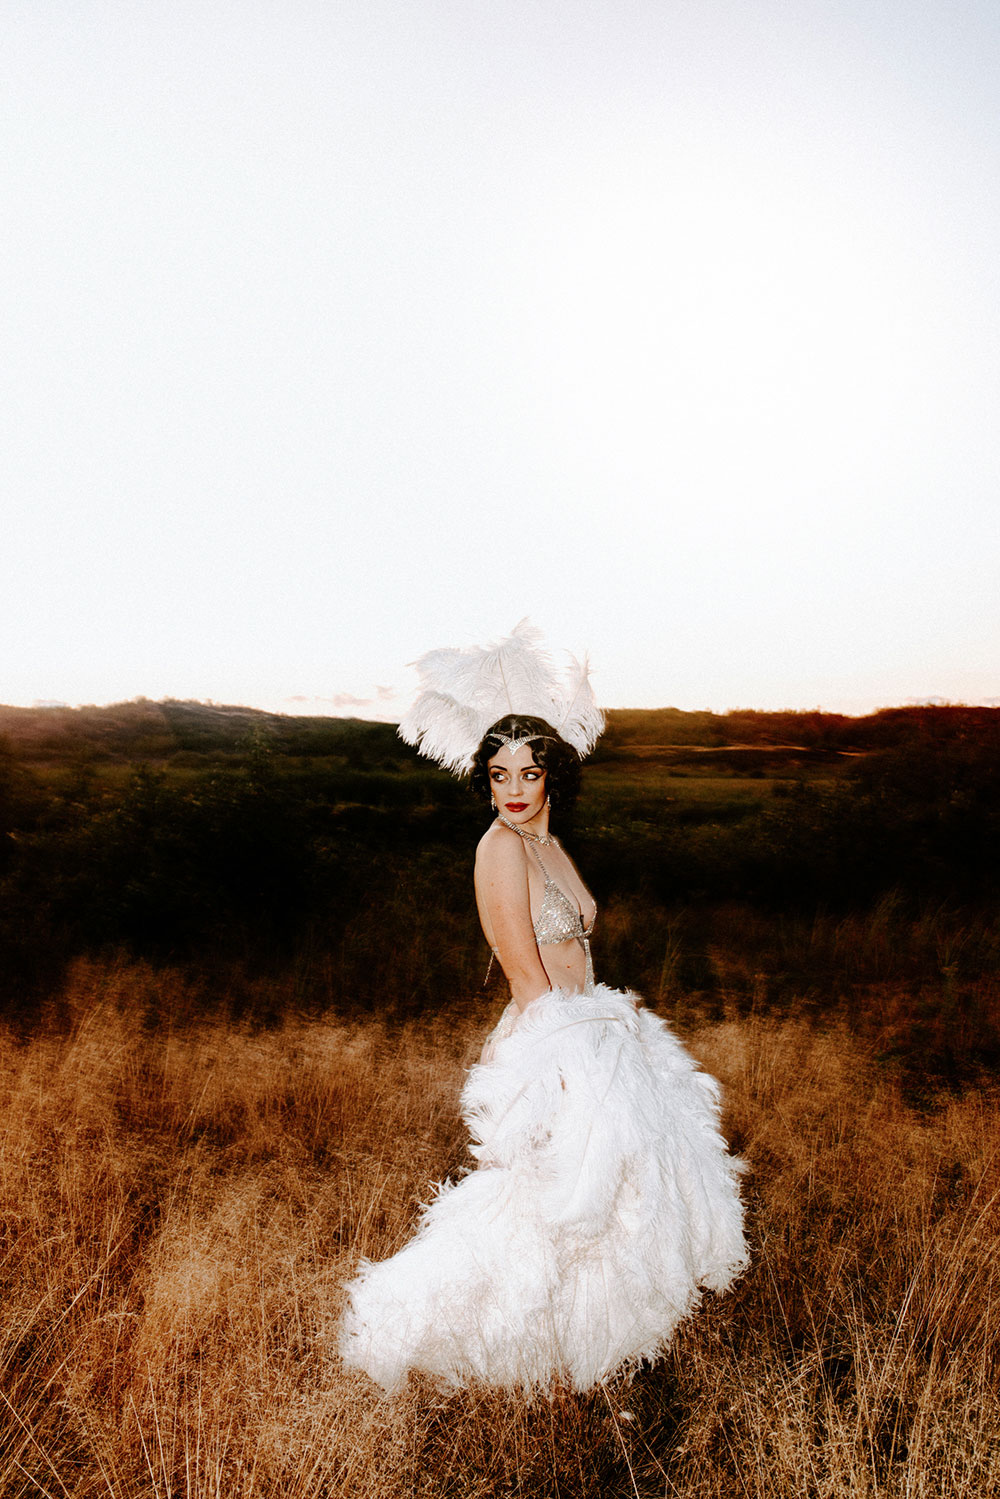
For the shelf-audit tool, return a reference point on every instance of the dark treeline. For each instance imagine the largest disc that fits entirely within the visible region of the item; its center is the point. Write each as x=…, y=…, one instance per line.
x=242, y=859
x=183, y=832
x=922, y=818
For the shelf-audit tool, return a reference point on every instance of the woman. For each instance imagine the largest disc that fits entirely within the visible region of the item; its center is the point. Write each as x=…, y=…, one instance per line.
x=603, y=1199
x=536, y=912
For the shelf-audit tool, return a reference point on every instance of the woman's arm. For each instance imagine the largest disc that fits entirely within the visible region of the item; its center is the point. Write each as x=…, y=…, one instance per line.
x=502, y=893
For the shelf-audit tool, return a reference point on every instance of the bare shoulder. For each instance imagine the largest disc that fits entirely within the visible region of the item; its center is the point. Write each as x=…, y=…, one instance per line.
x=499, y=852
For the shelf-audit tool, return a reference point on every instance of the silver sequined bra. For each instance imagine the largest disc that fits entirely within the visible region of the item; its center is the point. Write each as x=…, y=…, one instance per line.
x=559, y=918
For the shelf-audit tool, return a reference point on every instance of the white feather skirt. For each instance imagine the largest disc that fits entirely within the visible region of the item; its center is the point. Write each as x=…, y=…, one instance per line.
x=603, y=1203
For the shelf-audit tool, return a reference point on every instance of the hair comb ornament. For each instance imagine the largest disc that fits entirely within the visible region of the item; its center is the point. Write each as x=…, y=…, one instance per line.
x=464, y=692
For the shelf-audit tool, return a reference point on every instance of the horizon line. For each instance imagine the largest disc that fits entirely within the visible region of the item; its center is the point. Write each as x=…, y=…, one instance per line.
x=52, y=706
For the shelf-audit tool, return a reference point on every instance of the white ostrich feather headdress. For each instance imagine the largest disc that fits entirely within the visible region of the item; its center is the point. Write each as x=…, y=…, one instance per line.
x=464, y=692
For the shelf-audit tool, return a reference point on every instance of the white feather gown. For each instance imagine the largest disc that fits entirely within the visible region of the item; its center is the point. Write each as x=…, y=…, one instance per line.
x=603, y=1202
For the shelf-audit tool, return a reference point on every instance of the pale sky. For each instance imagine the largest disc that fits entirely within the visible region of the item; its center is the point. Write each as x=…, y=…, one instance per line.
x=337, y=330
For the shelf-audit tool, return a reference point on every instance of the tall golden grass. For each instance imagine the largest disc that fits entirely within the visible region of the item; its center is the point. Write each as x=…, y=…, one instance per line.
x=181, y=1203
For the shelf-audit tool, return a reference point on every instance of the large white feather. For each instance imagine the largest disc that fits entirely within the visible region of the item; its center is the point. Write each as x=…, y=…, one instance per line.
x=463, y=692
x=582, y=722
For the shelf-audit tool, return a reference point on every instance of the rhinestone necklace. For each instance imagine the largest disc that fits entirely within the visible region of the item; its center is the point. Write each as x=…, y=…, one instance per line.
x=543, y=838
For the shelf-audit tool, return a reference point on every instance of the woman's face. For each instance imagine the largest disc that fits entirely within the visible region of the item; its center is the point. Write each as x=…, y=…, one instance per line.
x=518, y=784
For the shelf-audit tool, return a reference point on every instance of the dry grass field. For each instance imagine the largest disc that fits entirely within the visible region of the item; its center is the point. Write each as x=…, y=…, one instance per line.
x=180, y=1203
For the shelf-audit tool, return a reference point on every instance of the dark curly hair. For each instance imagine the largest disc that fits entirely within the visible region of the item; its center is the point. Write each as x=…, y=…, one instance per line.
x=559, y=760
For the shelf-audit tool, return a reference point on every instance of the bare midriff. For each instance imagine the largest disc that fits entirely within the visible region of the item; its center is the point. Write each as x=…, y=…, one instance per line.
x=565, y=964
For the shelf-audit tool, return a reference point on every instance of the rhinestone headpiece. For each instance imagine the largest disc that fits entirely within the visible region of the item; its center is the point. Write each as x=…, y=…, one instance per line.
x=506, y=741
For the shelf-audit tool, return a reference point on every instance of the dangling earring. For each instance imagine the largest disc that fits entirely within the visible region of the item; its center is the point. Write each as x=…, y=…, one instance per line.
x=548, y=801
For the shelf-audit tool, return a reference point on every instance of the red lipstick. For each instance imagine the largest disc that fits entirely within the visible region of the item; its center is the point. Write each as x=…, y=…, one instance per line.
x=515, y=806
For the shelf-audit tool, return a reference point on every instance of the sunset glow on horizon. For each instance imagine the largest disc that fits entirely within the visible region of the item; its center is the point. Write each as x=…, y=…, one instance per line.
x=335, y=334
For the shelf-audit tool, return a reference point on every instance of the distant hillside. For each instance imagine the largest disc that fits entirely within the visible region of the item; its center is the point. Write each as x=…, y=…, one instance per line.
x=144, y=730
x=664, y=732
x=186, y=731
